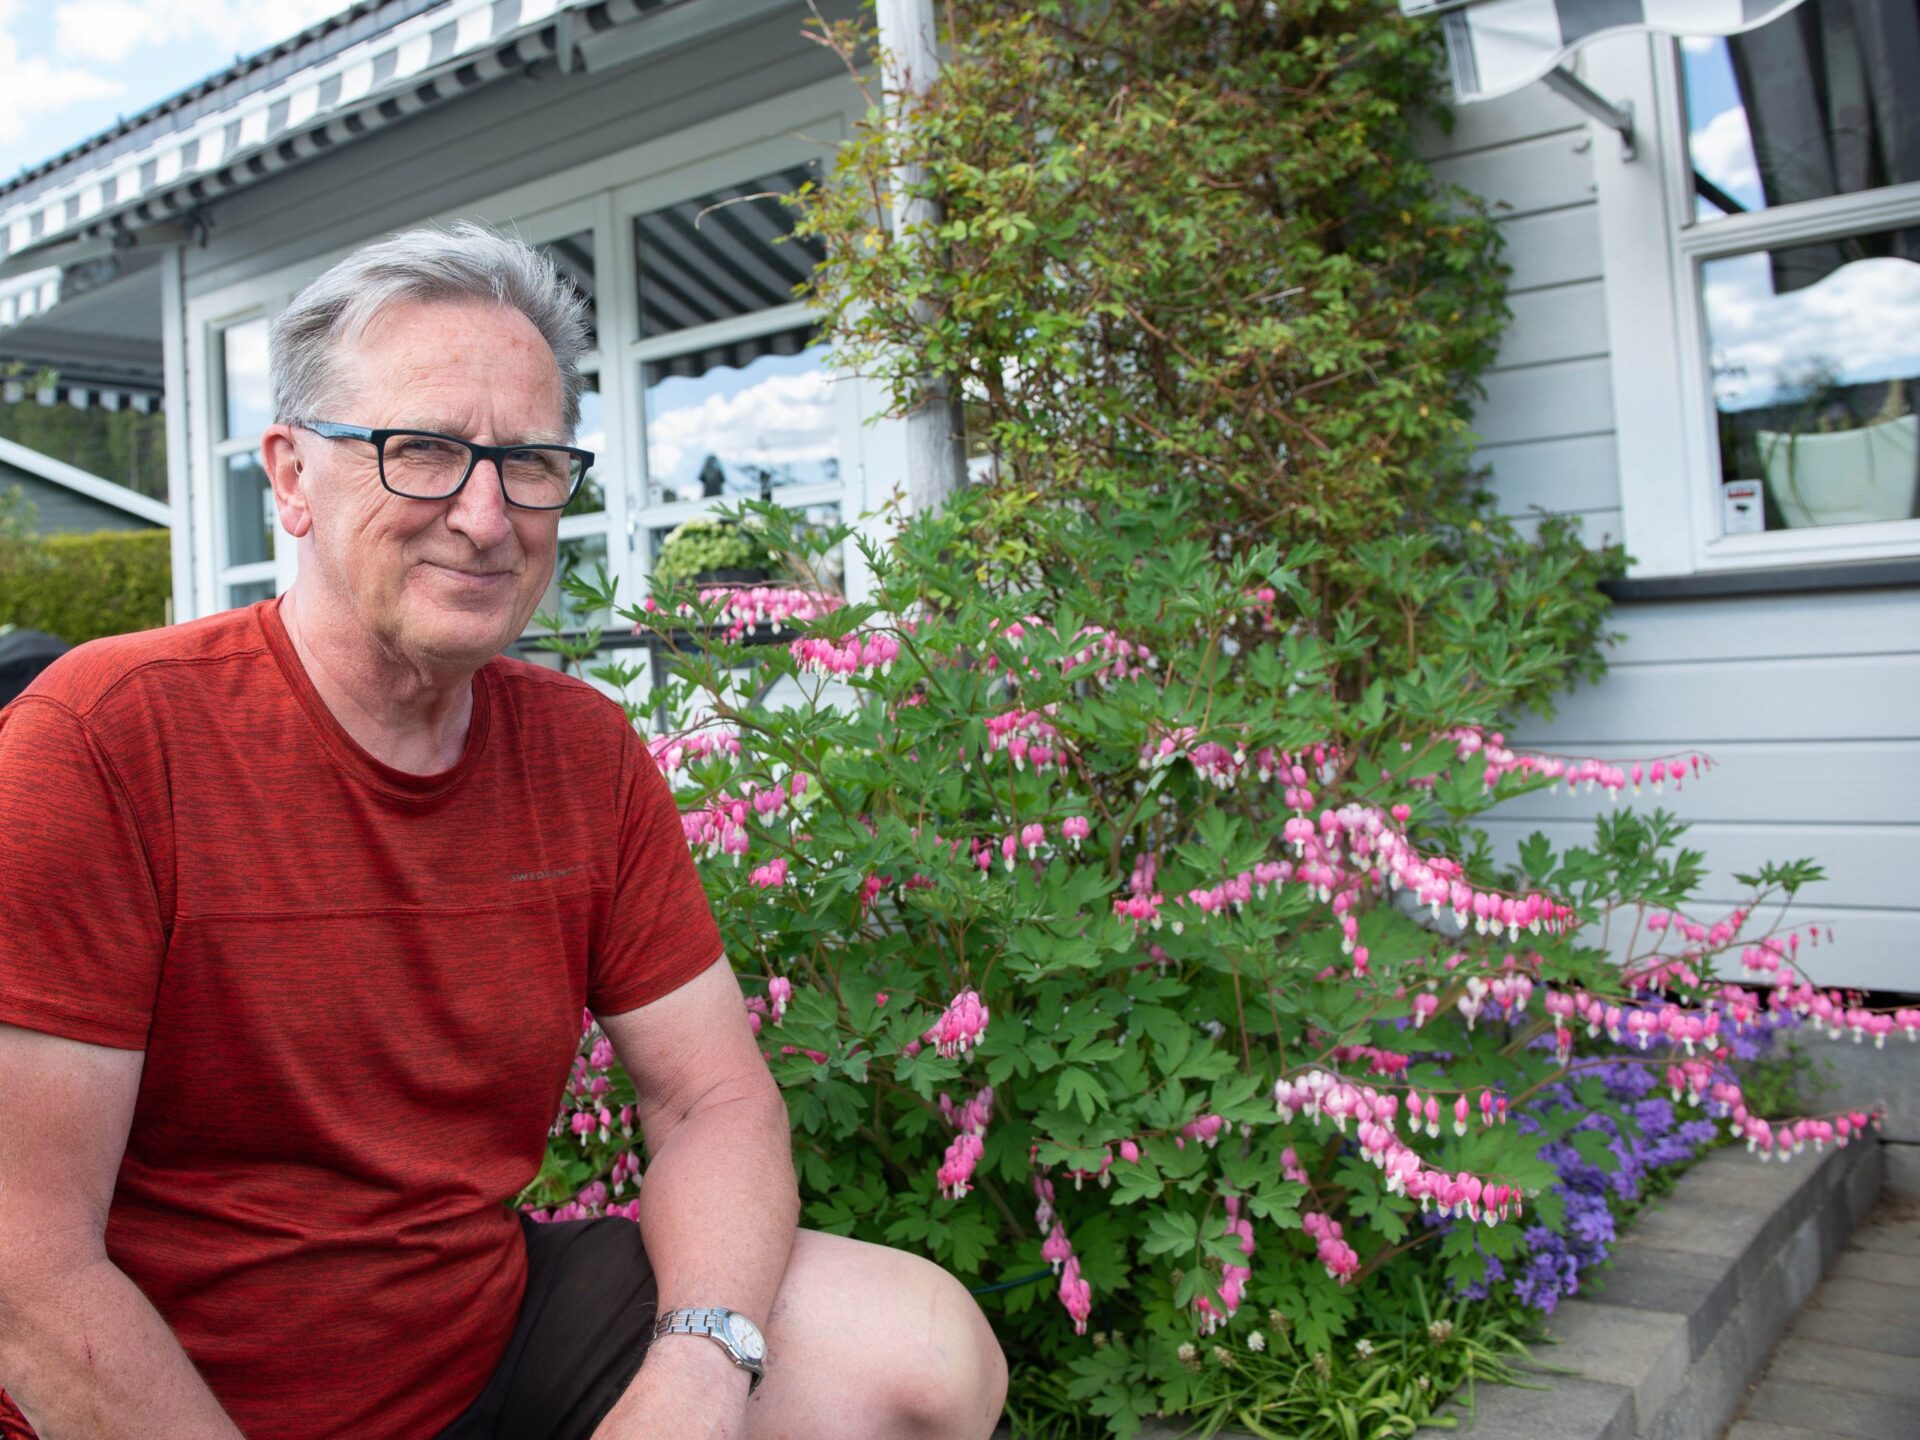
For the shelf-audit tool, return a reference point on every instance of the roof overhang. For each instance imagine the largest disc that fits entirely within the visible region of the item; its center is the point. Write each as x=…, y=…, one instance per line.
x=361, y=72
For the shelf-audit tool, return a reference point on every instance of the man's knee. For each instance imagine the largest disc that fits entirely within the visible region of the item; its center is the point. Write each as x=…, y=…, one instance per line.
x=959, y=1385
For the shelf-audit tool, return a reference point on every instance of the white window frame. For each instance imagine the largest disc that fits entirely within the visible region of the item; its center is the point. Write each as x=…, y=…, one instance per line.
x=594, y=214
x=216, y=579
x=1652, y=250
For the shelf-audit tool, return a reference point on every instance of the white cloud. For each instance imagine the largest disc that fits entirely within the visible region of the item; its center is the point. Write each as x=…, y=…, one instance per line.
x=109, y=31
x=33, y=85
x=1863, y=320
x=784, y=420
x=1722, y=150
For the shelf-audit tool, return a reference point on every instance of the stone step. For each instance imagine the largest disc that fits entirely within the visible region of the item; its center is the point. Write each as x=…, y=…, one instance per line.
x=1700, y=1292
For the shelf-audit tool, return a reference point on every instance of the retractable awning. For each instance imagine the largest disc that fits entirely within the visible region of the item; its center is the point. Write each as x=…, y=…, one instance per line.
x=1496, y=46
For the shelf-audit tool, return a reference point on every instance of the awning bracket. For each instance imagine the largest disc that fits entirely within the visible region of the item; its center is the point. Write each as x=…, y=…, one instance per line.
x=1618, y=118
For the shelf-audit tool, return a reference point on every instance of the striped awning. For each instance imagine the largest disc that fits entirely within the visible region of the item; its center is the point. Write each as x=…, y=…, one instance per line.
x=1496, y=46
x=182, y=159
x=85, y=394
x=24, y=296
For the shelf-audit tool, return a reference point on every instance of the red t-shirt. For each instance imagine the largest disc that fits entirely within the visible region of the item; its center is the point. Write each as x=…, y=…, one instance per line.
x=358, y=990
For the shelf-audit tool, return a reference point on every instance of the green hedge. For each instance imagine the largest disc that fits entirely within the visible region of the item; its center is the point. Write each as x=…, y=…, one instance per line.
x=81, y=587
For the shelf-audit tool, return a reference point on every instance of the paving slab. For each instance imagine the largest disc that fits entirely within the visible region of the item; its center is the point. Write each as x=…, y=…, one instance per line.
x=1857, y=1332
x=1873, y=1371
x=1831, y=1410
x=1890, y=1304
x=1882, y=1267
x=1894, y=1231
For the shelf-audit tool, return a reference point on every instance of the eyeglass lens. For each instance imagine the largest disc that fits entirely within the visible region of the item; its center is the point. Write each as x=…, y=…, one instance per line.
x=429, y=467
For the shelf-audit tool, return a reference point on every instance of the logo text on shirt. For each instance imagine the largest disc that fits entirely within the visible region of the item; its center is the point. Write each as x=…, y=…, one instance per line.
x=520, y=877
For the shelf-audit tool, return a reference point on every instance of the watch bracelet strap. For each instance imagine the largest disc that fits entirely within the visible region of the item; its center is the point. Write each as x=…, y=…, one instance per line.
x=708, y=1321
x=689, y=1320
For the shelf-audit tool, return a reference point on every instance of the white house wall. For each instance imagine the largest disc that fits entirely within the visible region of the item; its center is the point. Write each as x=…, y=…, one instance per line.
x=1810, y=703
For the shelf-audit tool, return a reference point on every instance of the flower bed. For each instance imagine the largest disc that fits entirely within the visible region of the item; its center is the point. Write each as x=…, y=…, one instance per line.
x=1070, y=916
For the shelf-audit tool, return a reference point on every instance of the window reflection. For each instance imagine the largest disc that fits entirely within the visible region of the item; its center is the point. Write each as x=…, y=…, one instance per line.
x=577, y=556
x=247, y=594
x=250, y=514
x=591, y=497
x=1817, y=103
x=572, y=256
x=1815, y=380
x=249, y=399
x=826, y=571
x=740, y=421
x=722, y=254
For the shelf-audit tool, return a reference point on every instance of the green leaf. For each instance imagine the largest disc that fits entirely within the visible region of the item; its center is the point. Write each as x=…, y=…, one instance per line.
x=1075, y=1086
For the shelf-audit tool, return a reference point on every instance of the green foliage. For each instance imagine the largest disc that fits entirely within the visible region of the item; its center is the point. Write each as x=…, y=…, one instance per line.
x=81, y=587
x=19, y=516
x=123, y=446
x=701, y=545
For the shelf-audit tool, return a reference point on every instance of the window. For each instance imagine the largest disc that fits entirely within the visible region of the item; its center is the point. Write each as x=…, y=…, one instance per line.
x=569, y=238
x=738, y=397
x=1779, y=227
x=246, y=525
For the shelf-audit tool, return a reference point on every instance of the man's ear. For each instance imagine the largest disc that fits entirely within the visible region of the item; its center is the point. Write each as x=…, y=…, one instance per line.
x=286, y=469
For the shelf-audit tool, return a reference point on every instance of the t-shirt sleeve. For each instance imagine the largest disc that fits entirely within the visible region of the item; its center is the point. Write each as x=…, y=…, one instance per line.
x=661, y=932
x=81, y=934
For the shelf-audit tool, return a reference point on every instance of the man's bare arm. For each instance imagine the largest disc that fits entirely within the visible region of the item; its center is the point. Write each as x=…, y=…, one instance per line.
x=719, y=1204
x=82, y=1352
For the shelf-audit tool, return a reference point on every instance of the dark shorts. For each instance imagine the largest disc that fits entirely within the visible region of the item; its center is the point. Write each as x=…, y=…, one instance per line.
x=583, y=1329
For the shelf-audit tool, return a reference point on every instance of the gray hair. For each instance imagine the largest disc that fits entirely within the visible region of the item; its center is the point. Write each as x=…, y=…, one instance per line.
x=466, y=262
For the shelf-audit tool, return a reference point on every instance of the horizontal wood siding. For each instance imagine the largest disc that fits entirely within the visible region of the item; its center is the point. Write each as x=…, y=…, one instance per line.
x=1810, y=707
x=1546, y=421
x=58, y=510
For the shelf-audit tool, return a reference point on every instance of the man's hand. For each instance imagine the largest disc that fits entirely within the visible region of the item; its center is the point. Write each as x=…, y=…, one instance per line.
x=687, y=1388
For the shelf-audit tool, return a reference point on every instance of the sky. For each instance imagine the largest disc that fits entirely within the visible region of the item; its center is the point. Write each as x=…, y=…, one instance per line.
x=1862, y=322
x=70, y=68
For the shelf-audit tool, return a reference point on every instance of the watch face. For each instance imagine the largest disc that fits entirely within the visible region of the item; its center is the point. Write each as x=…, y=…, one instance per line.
x=745, y=1336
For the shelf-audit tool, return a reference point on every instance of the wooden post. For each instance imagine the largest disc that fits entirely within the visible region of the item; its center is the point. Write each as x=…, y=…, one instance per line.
x=936, y=449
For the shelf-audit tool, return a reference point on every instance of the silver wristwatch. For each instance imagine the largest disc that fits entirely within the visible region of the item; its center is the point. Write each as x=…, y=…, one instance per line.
x=729, y=1329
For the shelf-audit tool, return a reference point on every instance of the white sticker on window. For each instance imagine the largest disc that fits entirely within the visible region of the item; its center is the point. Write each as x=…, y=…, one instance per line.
x=1742, y=510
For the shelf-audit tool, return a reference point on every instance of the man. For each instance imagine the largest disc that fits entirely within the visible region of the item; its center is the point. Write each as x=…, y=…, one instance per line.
x=299, y=906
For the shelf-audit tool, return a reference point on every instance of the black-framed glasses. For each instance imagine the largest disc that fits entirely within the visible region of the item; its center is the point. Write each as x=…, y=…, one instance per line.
x=426, y=465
